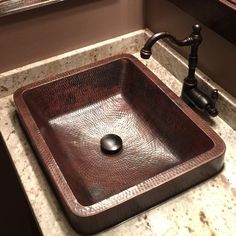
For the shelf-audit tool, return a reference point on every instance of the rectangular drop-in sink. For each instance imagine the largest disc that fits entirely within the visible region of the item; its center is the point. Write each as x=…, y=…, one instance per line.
x=166, y=147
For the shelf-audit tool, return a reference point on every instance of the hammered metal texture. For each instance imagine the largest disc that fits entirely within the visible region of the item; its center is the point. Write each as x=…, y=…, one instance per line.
x=74, y=111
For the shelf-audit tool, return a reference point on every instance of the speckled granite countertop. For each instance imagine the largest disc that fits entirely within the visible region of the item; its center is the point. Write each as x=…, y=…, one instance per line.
x=207, y=209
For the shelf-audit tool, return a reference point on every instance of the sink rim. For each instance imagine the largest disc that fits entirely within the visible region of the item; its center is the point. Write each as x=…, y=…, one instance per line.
x=56, y=176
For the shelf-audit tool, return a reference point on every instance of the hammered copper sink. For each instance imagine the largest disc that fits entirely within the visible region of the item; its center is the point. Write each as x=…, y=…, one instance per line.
x=166, y=146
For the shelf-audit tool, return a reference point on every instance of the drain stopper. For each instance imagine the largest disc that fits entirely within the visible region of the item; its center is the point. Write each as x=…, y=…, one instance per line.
x=111, y=144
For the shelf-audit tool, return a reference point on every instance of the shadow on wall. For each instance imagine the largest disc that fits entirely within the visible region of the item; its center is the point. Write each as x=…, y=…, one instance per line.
x=222, y=19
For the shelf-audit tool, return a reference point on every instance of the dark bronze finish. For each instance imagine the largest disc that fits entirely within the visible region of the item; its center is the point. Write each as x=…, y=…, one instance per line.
x=167, y=147
x=111, y=144
x=16, y=216
x=190, y=92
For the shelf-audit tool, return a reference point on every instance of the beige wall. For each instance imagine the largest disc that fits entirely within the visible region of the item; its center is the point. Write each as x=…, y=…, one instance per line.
x=217, y=56
x=38, y=34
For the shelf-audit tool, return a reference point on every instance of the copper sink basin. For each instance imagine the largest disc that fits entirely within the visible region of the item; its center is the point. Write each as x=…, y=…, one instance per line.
x=166, y=147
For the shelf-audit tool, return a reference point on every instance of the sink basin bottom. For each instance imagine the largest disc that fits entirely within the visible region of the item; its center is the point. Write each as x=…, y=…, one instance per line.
x=78, y=135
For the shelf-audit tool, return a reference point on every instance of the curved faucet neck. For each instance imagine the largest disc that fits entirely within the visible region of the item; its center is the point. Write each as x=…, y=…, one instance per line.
x=194, y=40
x=165, y=35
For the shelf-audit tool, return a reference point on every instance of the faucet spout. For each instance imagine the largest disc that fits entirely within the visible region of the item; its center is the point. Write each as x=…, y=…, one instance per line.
x=146, y=51
x=190, y=92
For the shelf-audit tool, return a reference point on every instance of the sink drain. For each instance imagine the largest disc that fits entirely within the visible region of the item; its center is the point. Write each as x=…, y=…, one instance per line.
x=111, y=144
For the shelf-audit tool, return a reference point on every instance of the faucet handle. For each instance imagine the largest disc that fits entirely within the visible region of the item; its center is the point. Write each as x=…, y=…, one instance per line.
x=214, y=96
x=211, y=108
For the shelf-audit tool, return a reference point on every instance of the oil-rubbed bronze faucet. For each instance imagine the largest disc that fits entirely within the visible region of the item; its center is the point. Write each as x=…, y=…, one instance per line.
x=190, y=92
